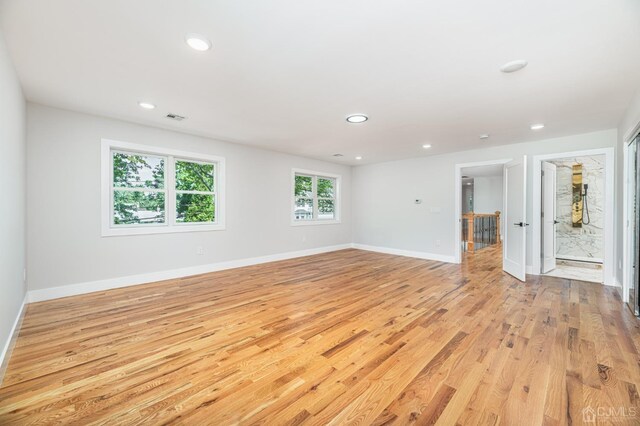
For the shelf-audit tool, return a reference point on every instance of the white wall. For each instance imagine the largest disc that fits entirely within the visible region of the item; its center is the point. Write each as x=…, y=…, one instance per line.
x=384, y=212
x=628, y=123
x=64, y=242
x=467, y=193
x=487, y=194
x=12, y=188
x=66, y=250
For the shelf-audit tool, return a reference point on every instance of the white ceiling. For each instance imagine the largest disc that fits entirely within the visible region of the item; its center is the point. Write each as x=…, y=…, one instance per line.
x=284, y=74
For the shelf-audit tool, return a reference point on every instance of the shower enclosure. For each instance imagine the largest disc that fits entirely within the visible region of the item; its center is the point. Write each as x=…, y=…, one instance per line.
x=579, y=208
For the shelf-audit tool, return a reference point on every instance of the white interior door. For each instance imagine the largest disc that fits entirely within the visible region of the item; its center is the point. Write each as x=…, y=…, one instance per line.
x=514, y=255
x=549, y=216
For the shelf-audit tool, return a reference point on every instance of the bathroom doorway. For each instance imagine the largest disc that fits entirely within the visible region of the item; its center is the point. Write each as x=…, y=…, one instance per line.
x=574, y=215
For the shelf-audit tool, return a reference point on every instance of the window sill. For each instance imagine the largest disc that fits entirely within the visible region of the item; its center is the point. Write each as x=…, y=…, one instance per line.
x=314, y=222
x=138, y=230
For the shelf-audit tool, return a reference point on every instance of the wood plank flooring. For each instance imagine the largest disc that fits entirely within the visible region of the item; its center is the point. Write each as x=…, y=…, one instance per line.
x=348, y=337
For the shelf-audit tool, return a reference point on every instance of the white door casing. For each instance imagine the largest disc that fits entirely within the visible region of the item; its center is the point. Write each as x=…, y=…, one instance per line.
x=549, y=216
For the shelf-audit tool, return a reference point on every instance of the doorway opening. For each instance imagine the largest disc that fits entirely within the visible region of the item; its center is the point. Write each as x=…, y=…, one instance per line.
x=573, y=225
x=482, y=204
x=510, y=223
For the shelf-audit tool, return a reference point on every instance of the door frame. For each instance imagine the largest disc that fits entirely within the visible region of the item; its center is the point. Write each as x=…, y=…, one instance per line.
x=458, y=195
x=609, y=192
x=626, y=214
x=542, y=222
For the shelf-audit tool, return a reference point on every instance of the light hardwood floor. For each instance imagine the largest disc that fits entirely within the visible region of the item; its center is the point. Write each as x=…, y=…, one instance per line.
x=338, y=338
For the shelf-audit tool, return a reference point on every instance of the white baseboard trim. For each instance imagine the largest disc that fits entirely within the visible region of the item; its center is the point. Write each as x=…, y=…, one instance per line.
x=11, y=340
x=623, y=295
x=407, y=253
x=613, y=282
x=529, y=270
x=126, y=281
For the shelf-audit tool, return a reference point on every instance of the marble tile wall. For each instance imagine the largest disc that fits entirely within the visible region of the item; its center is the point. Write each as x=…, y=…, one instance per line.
x=586, y=243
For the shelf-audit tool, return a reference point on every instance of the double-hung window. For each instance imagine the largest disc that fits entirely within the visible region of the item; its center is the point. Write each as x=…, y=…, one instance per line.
x=315, y=198
x=148, y=190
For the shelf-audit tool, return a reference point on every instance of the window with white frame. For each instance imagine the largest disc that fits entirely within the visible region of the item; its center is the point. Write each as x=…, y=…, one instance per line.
x=152, y=190
x=315, y=197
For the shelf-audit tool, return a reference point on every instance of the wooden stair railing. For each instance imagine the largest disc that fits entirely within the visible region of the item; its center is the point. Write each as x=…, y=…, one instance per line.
x=469, y=230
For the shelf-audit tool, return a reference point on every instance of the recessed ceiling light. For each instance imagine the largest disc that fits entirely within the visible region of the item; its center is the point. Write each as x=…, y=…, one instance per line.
x=426, y=146
x=357, y=118
x=358, y=157
x=484, y=136
x=537, y=126
x=468, y=183
x=146, y=105
x=197, y=42
x=513, y=66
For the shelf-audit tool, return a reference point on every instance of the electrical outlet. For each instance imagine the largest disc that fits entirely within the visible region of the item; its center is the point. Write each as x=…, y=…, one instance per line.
x=304, y=237
x=24, y=275
x=438, y=243
x=199, y=251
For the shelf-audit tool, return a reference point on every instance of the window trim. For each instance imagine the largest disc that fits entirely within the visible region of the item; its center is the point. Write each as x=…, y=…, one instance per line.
x=315, y=175
x=171, y=155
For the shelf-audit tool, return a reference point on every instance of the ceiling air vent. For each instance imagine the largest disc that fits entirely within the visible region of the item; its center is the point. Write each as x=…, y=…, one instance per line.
x=175, y=117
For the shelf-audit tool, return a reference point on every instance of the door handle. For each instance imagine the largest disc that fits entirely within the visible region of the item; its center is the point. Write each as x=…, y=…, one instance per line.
x=555, y=222
x=521, y=224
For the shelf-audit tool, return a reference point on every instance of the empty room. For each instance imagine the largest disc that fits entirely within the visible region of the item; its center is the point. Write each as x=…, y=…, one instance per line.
x=333, y=212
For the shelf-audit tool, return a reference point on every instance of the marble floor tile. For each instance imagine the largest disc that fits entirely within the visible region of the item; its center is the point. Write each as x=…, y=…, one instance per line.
x=576, y=271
